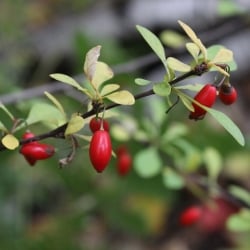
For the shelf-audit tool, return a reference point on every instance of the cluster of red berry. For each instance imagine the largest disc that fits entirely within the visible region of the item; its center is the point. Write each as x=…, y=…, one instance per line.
x=100, y=149
x=208, y=218
x=34, y=151
x=207, y=97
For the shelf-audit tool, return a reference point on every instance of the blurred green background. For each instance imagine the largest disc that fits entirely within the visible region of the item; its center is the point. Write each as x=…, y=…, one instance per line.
x=75, y=208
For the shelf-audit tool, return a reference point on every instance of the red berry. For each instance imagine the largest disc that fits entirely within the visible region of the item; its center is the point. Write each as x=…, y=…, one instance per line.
x=227, y=94
x=207, y=97
x=28, y=135
x=124, y=161
x=190, y=215
x=34, y=151
x=215, y=215
x=100, y=150
x=96, y=123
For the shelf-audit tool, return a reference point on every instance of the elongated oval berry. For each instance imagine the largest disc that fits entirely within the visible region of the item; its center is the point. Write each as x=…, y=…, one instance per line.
x=38, y=151
x=95, y=124
x=34, y=151
x=227, y=94
x=124, y=160
x=190, y=215
x=207, y=97
x=100, y=150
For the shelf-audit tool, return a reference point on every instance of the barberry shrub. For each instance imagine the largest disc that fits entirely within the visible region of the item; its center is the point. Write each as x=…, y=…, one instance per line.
x=164, y=150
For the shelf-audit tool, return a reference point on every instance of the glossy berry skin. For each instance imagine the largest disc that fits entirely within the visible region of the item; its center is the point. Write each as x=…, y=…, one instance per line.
x=124, y=161
x=228, y=94
x=100, y=150
x=207, y=97
x=191, y=215
x=96, y=123
x=34, y=151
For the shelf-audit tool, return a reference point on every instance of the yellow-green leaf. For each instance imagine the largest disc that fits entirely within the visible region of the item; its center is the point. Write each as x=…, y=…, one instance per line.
x=172, y=38
x=185, y=100
x=102, y=73
x=191, y=34
x=194, y=50
x=10, y=141
x=109, y=88
x=177, y=65
x=66, y=79
x=188, y=31
x=223, y=56
x=222, y=71
x=46, y=113
x=75, y=124
x=122, y=97
x=91, y=59
x=56, y=103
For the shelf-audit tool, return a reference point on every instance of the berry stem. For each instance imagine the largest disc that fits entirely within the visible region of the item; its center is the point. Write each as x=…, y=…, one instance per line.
x=59, y=131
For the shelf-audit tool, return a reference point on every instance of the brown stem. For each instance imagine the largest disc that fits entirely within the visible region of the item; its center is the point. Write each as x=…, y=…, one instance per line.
x=59, y=132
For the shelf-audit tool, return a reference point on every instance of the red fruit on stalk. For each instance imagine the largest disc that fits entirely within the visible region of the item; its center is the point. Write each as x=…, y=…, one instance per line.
x=100, y=150
x=34, y=151
x=215, y=215
x=96, y=123
x=191, y=215
x=29, y=135
x=228, y=94
x=207, y=97
x=124, y=161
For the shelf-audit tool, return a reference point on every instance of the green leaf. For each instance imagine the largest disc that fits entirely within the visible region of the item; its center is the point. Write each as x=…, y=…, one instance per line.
x=7, y=111
x=178, y=65
x=171, y=179
x=162, y=89
x=240, y=193
x=229, y=8
x=194, y=50
x=46, y=113
x=102, y=73
x=75, y=124
x=153, y=41
x=213, y=162
x=142, y=82
x=175, y=131
x=119, y=133
x=172, y=38
x=56, y=103
x=148, y=163
x=10, y=141
x=109, y=88
x=2, y=127
x=239, y=222
x=122, y=97
x=228, y=124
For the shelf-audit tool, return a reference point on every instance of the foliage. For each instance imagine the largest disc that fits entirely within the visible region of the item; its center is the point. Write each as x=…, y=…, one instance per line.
x=163, y=153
